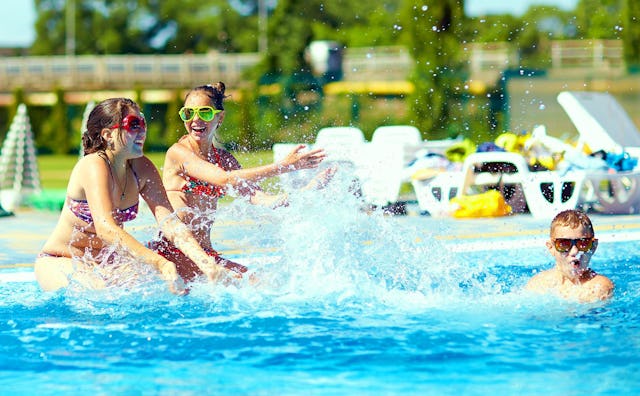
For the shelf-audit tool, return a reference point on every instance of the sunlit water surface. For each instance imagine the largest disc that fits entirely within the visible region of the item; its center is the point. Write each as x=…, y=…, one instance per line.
x=348, y=303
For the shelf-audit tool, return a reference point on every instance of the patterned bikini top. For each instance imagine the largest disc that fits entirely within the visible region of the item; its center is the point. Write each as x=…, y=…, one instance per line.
x=203, y=188
x=80, y=208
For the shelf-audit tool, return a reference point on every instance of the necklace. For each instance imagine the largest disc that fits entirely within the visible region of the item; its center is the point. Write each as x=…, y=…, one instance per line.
x=115, y=179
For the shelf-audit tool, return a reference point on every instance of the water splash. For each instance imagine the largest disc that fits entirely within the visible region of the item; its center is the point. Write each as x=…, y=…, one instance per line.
x=330, y=250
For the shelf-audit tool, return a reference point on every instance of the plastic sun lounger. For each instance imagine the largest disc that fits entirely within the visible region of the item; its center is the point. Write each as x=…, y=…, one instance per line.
x=381, y=167
x=613, y=193
x=407, y=136
x=386, y=165
x=344, y=148
x=604, y=125
x=433, y=194
x=545, y=192
x=600, y=120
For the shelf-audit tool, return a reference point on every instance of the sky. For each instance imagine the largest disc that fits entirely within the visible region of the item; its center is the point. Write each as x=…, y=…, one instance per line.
x=17, y=17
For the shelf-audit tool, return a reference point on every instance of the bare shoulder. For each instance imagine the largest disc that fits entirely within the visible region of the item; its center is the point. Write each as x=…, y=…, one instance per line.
x=89, y=168
x=601, y=286
x=540, y=281
x=177, y=146
x=178, y=153
x=91, y=160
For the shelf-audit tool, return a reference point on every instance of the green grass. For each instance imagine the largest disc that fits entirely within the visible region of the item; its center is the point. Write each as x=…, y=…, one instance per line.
x=55, y=169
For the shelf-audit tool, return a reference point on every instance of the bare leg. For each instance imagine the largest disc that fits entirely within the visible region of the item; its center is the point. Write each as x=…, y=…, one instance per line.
x=54, y=273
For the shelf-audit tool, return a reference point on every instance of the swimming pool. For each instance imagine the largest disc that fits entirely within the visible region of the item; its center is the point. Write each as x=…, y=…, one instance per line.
x=349, y=303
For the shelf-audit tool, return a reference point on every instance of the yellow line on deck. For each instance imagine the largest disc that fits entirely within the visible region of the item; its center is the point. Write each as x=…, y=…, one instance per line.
x=17, y=265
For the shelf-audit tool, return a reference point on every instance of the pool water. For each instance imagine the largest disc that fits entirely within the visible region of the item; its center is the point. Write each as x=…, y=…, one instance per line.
x=348, y=303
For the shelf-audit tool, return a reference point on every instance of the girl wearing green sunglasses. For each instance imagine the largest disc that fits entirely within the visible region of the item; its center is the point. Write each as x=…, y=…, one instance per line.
x=205, y=113
x=198, y=171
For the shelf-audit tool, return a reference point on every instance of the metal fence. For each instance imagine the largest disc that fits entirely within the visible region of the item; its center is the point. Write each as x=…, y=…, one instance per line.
x=121, y=71
x=587, y=53
x=180, y=71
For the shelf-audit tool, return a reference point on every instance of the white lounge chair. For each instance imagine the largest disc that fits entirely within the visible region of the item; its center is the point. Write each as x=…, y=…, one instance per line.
x=604, y=125
x=342, y=144
x=381, y=168
x=600, y=120
x=433, y=194
x=344, y=147
x=544, y=193
x=617, y=193
x=380, y=172
x=407, y=136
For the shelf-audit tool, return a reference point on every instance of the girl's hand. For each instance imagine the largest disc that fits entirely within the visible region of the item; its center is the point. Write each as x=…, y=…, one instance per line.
x=321, y=180
x=169, y=273
x=297, y=159
x=214, y=271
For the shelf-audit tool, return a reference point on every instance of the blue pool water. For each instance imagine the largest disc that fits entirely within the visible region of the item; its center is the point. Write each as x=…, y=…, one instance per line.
x=348, y=303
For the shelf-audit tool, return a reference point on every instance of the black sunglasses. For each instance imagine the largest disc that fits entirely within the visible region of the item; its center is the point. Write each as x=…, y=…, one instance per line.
x=565, y=244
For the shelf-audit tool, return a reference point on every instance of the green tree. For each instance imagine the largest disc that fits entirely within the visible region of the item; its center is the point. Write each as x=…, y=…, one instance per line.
x=101, y=27
x=631, y=34
x=492, y=28
x=432, y=30
x=56, y=131
x=599, y=19
x=142, y=27
x=201, y=26
x=357, y=24
x=175, y=126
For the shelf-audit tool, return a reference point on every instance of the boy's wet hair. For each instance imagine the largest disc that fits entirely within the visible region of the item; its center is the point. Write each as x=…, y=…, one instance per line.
x=572, y=218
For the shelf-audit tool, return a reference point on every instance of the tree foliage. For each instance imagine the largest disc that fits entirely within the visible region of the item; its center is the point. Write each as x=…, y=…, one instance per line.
x=143, y=26
x=432, y=32
x=436, y=32
x=599, y=19
x=631, y=33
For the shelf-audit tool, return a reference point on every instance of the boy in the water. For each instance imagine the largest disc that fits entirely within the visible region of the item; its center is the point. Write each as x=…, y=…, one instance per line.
x=572, y=244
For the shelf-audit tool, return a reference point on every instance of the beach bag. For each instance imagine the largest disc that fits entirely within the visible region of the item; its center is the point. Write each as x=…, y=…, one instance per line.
x=487, y=204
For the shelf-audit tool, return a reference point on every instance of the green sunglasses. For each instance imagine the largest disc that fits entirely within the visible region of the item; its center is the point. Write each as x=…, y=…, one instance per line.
x=205, y=113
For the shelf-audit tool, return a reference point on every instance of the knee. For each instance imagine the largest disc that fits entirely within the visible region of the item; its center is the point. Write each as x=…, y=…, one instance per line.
x=51, y=275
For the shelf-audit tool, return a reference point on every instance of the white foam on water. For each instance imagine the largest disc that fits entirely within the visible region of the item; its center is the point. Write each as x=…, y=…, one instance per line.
x=325, y=248
x=332, y=250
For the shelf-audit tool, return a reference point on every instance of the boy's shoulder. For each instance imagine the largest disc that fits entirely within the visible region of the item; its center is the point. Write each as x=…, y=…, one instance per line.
x=600, y=286
x=542, y=280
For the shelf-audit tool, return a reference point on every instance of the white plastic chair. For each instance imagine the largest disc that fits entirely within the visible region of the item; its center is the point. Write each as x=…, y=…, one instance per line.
x=600, y=120
x=380, y=171
x=604, y=125
x=405, y=135
x=545, y=193
x=381, y=166
x=344, y=147
x=340, y=143
x=613, y=193
x=433, y=195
